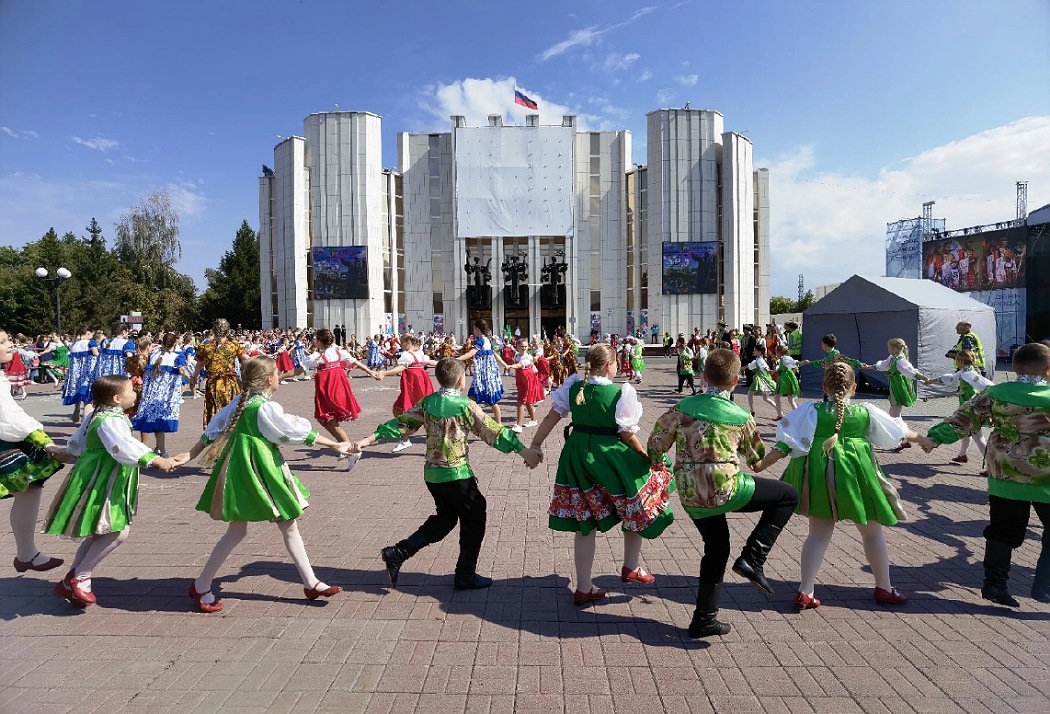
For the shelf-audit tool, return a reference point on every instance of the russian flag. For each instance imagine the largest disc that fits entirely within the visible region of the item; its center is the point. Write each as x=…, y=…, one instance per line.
x=520, y=98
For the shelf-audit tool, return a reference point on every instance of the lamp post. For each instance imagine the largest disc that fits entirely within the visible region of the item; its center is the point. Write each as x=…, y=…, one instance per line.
x=61, y=275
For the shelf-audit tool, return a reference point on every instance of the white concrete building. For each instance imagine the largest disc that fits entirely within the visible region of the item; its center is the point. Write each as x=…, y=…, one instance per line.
x=565, y=211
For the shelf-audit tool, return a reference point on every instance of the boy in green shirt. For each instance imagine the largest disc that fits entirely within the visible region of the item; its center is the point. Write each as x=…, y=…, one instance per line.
x=447, y=417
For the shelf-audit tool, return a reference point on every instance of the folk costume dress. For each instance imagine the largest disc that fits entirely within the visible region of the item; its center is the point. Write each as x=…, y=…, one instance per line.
x=334, y=400
x=637, y=361
x=487, y=385
x=850, y=485
x=82, y=358
x=220, y=358
x=787, y=377
x=902, y=376
x=527, y=380
x=762, y=381
x=376, y=360
x=16, y=371
x=113, y=356
x=284, y=361
x=100, y=495
x=23, y=460
x=158, y=406
x=415, y=381
x=251, y=482
x=968, y=381
x=600, y=480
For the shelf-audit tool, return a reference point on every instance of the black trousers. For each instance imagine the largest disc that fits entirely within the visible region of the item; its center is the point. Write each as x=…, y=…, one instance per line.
x=686, y=379
x=462, y=502
x=776, y=500
x=1008, y=522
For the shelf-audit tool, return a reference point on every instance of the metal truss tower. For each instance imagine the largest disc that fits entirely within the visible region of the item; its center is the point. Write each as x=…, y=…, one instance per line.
x=1022, y=201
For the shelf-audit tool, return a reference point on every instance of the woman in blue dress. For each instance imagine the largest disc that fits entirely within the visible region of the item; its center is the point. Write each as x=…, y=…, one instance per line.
x=487, y=385
x=83, y=356
x=158, y=411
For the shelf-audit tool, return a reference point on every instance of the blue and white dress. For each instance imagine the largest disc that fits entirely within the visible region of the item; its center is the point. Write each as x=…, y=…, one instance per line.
x=189, y=353
x=375, y=359
x=487, y=386
x=113, y=357
x=298, y=354
x=161, y=394
x=81, y=373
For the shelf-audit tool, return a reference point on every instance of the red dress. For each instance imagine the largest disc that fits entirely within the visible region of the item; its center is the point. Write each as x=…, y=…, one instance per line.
x=543, y=370
x=415, y=384
x=16, y=371
x=284, y=362
x=333, y=398
x=530, y=391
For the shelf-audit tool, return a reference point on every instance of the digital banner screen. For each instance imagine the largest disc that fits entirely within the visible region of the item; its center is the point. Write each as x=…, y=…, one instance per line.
x=690, y=268
x=993, y=260
x=340, y=273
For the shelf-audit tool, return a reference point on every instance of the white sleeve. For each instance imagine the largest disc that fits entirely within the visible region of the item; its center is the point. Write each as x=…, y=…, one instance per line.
x=797, y=429
x=525, y=359
x=220, y=421
x=883, y=365
x=754, y=366
x=405, y=359
x=951, y=379
x=280, y=428
x=788, y=361
x=975, y=380
x=78, y=441
x=116, y=436
x=15, y=424
x=311, y=361
x=907, y=368
x=560, y=396
x=628, y=410
x=345, y=356
x=884, y=431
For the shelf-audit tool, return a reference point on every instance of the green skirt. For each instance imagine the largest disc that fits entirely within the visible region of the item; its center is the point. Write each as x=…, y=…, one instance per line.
x=25, y=463
x=602, y=482
x=252, y=483
x=99, y=496
x=787, y=383
x=762, y=382
x=902, y=390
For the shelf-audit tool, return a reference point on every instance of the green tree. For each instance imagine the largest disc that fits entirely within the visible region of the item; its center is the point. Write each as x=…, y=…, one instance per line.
x=148, y=241
x=233, y=289
x=779, y=305
x=806, y=302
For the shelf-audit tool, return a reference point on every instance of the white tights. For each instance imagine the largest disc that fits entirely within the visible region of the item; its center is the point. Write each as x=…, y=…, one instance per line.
x=93, y=550
x=978, y=438
x=583, y=553
x=816, y=545
x=24, y=511
x=235, y=533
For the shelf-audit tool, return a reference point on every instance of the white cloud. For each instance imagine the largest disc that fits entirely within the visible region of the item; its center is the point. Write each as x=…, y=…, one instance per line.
x=476, y=98
x=829, y=225
x=588, y=35
x=664, y=96
x=98, y=143
x=615, y=62
x=688, y=80
x=645, y=75
x=15, y=134
x=187, y=198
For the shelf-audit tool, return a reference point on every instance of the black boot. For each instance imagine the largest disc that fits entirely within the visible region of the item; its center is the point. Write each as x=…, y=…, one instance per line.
x=470, y=581
x=753, y=556
x=996, y=571
x=395, y=555
x=1041, y=586
x=705, y=618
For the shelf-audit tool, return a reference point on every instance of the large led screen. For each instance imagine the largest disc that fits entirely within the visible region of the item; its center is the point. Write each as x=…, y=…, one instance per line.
x=690, y=268
x=993, y=260
x=340, y=273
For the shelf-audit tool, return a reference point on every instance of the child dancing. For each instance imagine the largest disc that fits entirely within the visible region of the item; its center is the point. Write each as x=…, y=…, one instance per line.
x=837, y=478
x=447, y=417
x=334, y=400
x=250, y=482
x=527, y=380
x=1018, y=461
x=969, y=382
x=99, y=498
x=762, y=382
x=787, y=381
x=415, y=382
x=487, y=385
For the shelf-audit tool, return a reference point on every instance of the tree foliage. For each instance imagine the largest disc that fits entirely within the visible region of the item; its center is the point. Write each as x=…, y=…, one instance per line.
x=148, y=241
x=233, y=289
x=779, y=305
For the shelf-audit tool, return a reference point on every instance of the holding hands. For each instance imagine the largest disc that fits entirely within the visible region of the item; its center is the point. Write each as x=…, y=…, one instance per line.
x=532, y=456
x=927, y=444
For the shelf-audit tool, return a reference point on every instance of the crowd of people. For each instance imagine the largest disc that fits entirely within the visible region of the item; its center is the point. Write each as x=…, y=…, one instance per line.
x=607, y=475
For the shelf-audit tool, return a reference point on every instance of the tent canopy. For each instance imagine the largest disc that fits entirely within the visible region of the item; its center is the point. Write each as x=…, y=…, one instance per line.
x=864, y=313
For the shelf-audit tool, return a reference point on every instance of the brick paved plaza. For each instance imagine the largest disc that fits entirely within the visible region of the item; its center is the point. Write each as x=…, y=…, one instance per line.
x=520, y=646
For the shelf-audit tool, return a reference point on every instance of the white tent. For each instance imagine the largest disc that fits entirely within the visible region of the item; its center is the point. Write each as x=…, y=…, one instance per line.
x=864, y=313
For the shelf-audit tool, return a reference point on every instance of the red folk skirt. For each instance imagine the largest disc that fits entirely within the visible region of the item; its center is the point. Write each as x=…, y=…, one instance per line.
x=333, y=398
x=415, y=384
x=530, y=391
x=284, y=362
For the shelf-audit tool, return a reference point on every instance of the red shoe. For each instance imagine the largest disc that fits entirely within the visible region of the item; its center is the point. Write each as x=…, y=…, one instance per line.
x=23, y=565
x=314, y=593
x=960, y=459
x=893, y=596
x=638, y=575
x=69, y=589
x=206, y=607
x=806, y=602
x=581, y=598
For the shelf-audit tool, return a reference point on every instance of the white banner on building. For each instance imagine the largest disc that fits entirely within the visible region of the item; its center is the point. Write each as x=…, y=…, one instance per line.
x=514, y=181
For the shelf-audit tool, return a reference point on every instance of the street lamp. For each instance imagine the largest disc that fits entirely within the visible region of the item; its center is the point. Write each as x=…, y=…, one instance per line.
x=61, y=275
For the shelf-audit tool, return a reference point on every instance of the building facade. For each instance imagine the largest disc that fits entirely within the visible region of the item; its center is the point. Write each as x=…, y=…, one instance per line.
x=534, y=227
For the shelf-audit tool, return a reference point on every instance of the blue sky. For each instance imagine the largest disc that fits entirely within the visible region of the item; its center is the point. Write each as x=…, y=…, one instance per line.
x=862, y=110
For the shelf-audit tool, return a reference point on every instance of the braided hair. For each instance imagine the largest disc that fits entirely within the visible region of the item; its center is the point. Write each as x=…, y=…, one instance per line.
x=167, y=345
x=255, y=374
x=838, y=385
x=599, y=357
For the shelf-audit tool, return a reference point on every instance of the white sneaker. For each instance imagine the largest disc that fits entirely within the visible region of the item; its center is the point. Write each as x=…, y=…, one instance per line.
x=401, y=446
x=352, y=459
x=516, y=428
x=284, y=381
x=532, y=423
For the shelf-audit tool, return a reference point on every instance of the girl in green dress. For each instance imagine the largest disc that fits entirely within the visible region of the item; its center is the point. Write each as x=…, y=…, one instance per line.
x=834, y=469
x=99, y=498
x=605, y=476
x=787, y=381
x=762, y=382
x=250, y=482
